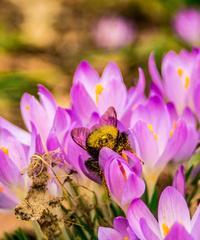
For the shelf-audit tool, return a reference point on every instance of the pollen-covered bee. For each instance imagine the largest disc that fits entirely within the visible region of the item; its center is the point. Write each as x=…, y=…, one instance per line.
x=104, y=134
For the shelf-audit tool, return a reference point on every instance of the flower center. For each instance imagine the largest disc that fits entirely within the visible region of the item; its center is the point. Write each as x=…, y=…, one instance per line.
x=184, y=77
x=98, y=91
x=5, y=150
x=150, y=127
x=165, y=229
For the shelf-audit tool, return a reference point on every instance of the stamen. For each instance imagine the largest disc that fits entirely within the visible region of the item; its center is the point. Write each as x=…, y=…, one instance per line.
x=150, y=127
x=187, y=82
x=125, y=157
x=98, y=91
x=171, y=133
x=1, y=189
x=126, y=238
x=5, y=150
x=180, y=72
x=165, y=229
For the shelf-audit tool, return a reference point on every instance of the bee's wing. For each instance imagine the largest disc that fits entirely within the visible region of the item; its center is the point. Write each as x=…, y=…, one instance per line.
x=79, y=135
x=109, y=117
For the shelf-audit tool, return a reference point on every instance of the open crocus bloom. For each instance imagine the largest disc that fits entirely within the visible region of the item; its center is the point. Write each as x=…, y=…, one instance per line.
x=14, y=159
x=158, y=138
x=120, y=231
x=180, y=82
x=91, y=93
x=122, y=175
x=173, y=219
x=187, y=25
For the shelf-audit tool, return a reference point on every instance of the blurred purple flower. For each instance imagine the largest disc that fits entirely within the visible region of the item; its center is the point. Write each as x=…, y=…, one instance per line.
x=158, y=136
x=114, y=32
x=173, y=218
x=180, y=82
x=187, y=25
x=120, y=231
x=179, y=180
x=122, y=175
x=91, y=93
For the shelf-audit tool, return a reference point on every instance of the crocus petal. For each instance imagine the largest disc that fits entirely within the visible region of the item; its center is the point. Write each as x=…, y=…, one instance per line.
x=82, y=103
x=20, y=134
x=86, y=75
x=137, y=211
x=146, y=230
x=134, y=188
x=179, y=180
x=196, y=224
x=197, y=100
x=15, y=150
x=155, y=74
x=47, y=101
x=172, y=208
x=174, y=143
x=146, y=146
x=108, y=234
x=9, y=173
x=121, y=224
x=7, y=200
x=32, y=111
x=178, y=232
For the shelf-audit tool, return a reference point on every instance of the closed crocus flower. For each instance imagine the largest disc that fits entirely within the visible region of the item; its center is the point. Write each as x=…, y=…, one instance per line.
x=120, y=231
x=179, y=82
x=173, y=222
x=187, y=26
x=114, y=32
x=122, y=176
x=158, y=138
x=91, y=93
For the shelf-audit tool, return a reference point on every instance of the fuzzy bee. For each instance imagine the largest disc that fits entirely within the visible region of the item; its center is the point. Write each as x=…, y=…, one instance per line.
x=104, y=134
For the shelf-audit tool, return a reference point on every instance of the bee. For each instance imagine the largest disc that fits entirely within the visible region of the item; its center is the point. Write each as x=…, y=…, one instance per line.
x=104, y=134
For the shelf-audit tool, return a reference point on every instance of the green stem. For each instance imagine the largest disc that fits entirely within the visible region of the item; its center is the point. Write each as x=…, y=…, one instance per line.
x=38, y=231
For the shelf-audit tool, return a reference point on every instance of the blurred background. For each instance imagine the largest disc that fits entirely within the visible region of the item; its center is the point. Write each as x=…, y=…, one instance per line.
x=42, y=41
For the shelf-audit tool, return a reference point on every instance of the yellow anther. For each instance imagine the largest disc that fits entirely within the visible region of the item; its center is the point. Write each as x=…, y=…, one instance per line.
x=5, y=150
x=98, y=91
x=171, y=133
x=180, y=72
x=165, y=229
x=27, y=107
x=1, y=189
x=150, y=127
x=187, y=82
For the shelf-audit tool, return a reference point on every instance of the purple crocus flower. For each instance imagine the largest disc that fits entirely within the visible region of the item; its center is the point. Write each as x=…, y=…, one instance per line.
x=174, y=220
x=114, y=32
x=91, y=93
x=179, y=180
x=120, y=231
x=14, y=160
x=122, y=175
x=187, y=25
x=159, y=137
x=180, y=82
